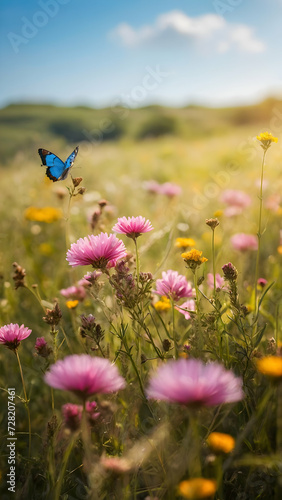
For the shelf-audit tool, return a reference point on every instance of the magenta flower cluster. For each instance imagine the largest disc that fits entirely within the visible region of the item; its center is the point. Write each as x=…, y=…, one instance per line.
x=173, y=286
x=85, y=375
x=191, y=382
x=101, y=251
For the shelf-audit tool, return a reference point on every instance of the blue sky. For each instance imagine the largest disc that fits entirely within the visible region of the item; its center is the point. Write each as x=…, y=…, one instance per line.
x=89, y=52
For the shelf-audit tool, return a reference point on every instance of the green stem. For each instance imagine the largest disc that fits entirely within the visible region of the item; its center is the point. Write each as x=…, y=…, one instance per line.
x=259, y=234
x=213, y=264
x=173, y=329
x=26, y=404
x=59, y=482
x=137, y=263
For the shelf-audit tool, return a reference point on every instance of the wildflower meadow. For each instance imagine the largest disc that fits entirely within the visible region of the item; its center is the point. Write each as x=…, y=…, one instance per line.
x=140, y=335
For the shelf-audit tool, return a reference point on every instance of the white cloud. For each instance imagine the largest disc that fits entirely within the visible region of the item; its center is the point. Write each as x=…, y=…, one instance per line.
x=176, y=27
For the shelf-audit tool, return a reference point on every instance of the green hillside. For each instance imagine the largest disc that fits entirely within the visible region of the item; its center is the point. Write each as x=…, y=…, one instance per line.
x=25, y=127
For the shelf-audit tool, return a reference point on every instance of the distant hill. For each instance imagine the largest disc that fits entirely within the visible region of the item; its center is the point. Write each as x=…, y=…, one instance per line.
x=24, y=127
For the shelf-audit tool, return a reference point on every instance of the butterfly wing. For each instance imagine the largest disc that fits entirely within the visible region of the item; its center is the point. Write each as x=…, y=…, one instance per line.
x=56, y=170
x=55, y=166
x=69, y=163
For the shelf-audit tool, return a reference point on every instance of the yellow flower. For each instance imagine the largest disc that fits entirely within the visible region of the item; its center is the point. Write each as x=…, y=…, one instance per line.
x=71, y=304
x=218, y=441
x=193, y=258
x=198, y=487
x=184, y=242
x=45, y=214
x=162, y=305
x=270, y=366
x=266, y=138
x=279, y=249
x=218, y=213
x=46, y=249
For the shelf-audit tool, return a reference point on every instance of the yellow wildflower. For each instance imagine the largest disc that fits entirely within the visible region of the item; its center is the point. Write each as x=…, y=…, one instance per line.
x=270, y=366
x=220, y=442
x=198, y=487
x=45, y=214
x=194, y=255
x=266, y=138
x=162, y=305
x=71, y=304
x=193, y=258
x=184, y=242
x=46, y=249
x=218, y=213
x=279, y=249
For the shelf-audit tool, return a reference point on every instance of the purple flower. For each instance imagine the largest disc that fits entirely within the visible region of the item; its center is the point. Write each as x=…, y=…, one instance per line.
x=99, y=251
x=85, y=375
x=191, y=382
x=243, y=242
x=132, y=226
x=173, y=285
x=91, y=278
x=42, y=347
x=11, y=335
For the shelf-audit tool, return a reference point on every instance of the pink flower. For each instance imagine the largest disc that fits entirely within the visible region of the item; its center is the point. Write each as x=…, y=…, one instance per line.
x=74, y=292
x=174, y=286
x=189, y=305
x=262, y=282
x=42, y=347
x=100, y=251
x=133, y=226
x=170, y=189
x=11, y=335
x=72, y=414
x=84, y=375
x=219, y=281
x=236, y=198
x=91, y=278
x=152, y=186
x=243, y=242
x=191, y=382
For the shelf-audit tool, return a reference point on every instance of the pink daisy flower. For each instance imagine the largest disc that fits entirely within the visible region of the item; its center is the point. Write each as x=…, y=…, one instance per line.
x=132, y=226
x=219, y=281
x=243, y=242
x=152, y=186
x=174, y=286
x=85, y=375
x=236, y=198
x=169, y=189
x=191, y=382
x=99, y=251
x=11, y=335
x=189, y=305
x=74, y=292
x=72, y=414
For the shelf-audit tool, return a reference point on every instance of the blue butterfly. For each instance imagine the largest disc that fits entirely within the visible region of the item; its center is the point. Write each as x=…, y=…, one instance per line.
x=56, y=169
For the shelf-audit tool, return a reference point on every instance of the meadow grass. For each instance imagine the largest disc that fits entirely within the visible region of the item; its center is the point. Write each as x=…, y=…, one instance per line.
x=160, y=444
